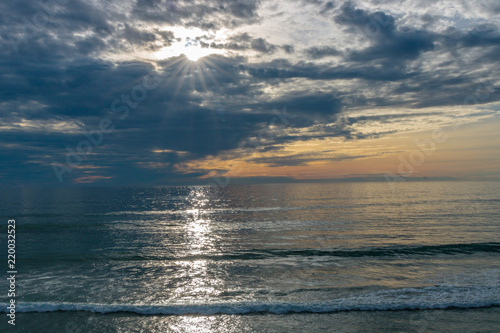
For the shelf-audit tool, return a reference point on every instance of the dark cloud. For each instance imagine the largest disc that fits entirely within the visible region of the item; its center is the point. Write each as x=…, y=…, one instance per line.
x=310, y=108
x=321, y=52
x=243, y=9
x=491, y=6
x=388, y=118
x=279, y=69
x=260, y=44
x=428, y=18
x=387, y=41
x=196, y=13
x=137, y=37
x=328, y=6
x=480, y=36
x=288, y=48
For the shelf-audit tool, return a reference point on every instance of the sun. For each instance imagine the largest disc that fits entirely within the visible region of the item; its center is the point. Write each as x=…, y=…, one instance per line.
x=189, y=54
x=193, y=51
x=191, y=42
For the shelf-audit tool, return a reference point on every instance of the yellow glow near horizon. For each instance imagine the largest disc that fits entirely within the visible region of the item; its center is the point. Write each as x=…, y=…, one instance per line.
x=462, y=154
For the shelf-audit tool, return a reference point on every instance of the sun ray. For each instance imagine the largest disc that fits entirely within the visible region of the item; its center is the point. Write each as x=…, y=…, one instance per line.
x=209, y=73
x=189, y=62
x=220, y=70
x=200, y=76
x=173, y=76
x=180, y=62
x=191, y=77
x=185, y=69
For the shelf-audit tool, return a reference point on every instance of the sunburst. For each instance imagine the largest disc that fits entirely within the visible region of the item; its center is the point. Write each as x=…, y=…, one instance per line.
x=190, y=59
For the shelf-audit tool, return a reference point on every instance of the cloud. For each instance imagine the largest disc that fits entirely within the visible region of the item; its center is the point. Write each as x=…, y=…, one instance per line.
x=387, y=41
x=301, y=159
x=321, y=52
x=90, y=179
x=203, y=14
x=62, y=74
x=243, y=42
x=260, y=44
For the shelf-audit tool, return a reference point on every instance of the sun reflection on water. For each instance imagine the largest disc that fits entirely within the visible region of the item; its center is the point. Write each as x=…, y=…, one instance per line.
x=204, y=324
x=200, y=282
x=199, y=240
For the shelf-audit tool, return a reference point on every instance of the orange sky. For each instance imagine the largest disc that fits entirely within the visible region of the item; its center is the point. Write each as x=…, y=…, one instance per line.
x=467, y=151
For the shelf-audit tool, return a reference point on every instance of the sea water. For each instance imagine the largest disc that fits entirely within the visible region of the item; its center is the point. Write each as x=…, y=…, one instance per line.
x=332, y=257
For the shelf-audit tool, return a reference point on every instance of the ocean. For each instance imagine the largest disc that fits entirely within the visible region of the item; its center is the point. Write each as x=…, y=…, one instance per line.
x=322, y=257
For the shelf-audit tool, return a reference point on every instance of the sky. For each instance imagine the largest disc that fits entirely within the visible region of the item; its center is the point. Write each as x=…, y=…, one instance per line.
x=155, y=92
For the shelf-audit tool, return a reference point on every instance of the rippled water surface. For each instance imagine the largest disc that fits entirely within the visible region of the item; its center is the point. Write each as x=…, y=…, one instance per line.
x=199, y=258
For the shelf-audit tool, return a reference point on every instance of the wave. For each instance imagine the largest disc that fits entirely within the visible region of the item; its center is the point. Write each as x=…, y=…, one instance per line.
x=389, y=251
x=235, y=308
x=424, y=298
x=259, y=254
x=466, y=248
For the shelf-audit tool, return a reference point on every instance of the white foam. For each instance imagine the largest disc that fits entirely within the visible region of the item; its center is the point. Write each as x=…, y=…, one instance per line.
x=483, y=290
x=436, y=297
x=236, y=308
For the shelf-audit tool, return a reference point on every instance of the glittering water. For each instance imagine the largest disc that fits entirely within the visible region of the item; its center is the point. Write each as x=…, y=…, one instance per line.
x=204, y=259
